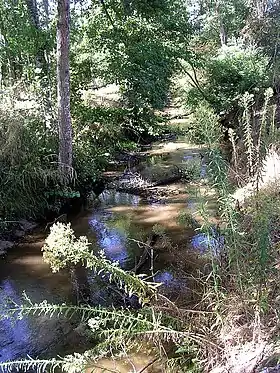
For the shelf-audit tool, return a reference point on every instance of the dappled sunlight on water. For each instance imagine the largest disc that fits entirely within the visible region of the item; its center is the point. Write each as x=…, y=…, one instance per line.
x=164, y=214
x=15, y=334
x=208, y=243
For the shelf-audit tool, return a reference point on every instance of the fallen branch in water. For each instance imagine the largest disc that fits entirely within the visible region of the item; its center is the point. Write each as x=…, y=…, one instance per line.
x=148, y=365
x=147, y=251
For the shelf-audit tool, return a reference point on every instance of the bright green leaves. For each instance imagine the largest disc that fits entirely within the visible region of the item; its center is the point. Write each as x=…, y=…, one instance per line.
x=228, y=75
x=139, y=45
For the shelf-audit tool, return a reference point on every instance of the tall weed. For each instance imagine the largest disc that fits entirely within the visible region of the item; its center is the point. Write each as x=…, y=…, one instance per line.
x=28, y=163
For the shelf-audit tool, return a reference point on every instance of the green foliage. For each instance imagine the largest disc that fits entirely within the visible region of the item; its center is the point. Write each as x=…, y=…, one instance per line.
x=97, y=135
x=186, y=219
x=228, y=75
x=28, y=166
x=217, y=172
x=257, y=138
x=138, y=45
x=191, y=169
x=100, y=133
x=231, y=14
x=135, y=48
x=205, y=127
x=22, y=44
x=159, y=230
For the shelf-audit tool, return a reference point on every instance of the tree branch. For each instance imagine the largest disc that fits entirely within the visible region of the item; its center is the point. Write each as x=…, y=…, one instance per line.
x=195, y=82
x=107, y=13
x=148, y=365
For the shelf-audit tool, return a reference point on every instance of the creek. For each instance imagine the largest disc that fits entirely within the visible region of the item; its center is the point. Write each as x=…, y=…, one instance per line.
x=116, y=224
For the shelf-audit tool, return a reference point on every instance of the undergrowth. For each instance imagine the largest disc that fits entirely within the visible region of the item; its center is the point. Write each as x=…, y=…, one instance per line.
x=244, y=276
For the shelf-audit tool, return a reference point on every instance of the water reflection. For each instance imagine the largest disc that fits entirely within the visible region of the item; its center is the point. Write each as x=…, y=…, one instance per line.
x=165, y=277
x=208, y=243
x=111, y=240
x=15, y=334
x=113, y=198
x=112, y=230
x=188, y=157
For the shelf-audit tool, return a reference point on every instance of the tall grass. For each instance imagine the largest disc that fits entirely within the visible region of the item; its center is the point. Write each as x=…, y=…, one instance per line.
x=218, y=178
x=28, y=164
x=245, y=277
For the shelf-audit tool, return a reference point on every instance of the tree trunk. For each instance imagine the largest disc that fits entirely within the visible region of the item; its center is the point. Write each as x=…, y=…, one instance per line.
x=63, y=90
x=33, y=12
x=127, y=7
x=223, y=35
x=277, y=110
x=47, y=14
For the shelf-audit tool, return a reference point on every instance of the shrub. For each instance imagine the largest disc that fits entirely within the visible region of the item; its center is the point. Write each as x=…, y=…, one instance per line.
x=233, y=71
x=28, y=166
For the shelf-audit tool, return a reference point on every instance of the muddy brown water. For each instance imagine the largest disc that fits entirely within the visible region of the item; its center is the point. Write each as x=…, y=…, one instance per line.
x=110, y=225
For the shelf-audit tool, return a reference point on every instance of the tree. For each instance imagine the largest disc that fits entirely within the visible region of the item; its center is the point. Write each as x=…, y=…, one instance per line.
x=220, y=21
x=63, y=89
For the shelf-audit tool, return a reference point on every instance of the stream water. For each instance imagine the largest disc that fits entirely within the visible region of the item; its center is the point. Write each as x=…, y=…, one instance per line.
x=110, y=225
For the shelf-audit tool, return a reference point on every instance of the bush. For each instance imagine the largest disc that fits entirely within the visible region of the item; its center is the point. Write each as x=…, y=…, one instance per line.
x=28, y=166
x=205, y=126
x=227, y=76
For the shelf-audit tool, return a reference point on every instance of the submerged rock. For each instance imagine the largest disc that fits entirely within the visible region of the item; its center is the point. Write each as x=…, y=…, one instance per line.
x=16, y=232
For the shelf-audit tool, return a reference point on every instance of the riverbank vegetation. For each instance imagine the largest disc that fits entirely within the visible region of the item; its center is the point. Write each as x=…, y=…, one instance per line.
x=217, y=63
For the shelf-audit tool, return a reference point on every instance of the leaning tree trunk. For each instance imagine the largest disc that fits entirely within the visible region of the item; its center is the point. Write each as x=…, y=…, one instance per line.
x=63, y=89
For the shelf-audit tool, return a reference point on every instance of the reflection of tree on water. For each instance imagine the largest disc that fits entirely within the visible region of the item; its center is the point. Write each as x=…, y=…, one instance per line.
x=113, y=198
x=15, y=335
x=112, y=232
x=212, y=242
